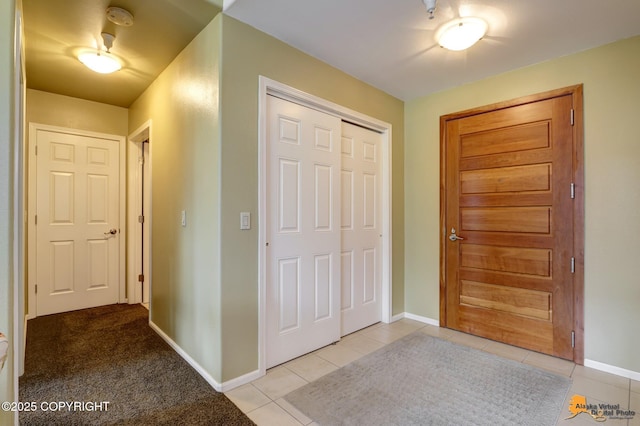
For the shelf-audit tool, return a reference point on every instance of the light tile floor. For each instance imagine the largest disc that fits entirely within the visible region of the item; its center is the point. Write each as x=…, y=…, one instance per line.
x=262, y=399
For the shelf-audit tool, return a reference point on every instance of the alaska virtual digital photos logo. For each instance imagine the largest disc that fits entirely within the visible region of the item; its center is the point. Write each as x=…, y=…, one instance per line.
x=599, y=412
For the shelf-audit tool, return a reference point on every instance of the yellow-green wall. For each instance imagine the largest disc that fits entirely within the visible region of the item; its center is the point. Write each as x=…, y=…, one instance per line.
x=7, y=129
x=248, y=53
x=612, y=188
x=65, y=111
x=205, y=161
x=183, y=106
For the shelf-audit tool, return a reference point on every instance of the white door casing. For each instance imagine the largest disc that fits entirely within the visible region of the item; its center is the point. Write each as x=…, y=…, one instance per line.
x=361, y=230
x=139, y=204
x=146, y=229
x=303, y=266
x=75, y=201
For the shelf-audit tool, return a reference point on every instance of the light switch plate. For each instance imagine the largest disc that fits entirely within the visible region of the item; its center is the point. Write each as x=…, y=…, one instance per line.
x=245, y=220
x=184, y=218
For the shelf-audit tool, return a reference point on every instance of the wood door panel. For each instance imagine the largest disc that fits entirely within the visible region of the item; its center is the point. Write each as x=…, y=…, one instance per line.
x=510, y=139
x=530, y=178
x=506, y=239
x=513, y=200
x=530, y=282
x=506, y=176
x=527, y=303
x=523, y=158
x=517, y=260
x=527, y=333
x=533, y=220
x=518, y=115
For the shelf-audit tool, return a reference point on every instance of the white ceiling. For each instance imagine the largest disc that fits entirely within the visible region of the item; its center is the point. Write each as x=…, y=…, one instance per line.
x=390, y=43
x=386, y=43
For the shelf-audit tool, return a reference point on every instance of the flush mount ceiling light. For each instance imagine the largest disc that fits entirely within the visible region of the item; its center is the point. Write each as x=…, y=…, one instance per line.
x=461, y=33
x=101, y=61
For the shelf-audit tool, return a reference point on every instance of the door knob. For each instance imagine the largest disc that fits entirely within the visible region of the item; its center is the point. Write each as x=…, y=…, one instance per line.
x=453, y=236
x=112, y=231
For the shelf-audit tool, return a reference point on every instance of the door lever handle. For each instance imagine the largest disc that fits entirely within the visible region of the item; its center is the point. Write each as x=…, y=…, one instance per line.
x=453, y=236
x=112, y=231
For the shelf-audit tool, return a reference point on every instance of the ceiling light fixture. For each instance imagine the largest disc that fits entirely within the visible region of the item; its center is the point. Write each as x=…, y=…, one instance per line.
x=101, y=61
x=461, y=33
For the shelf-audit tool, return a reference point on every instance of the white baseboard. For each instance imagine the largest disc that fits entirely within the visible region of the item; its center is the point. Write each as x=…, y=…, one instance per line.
x=612, y=369
x=192, y=362
x=225, y=386
x=397, y=317
x=242, y=380
x=425, y=320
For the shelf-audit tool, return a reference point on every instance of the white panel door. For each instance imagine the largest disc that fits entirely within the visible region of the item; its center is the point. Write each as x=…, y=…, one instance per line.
x=77, y=205
x=303, y=231
x=361, y=228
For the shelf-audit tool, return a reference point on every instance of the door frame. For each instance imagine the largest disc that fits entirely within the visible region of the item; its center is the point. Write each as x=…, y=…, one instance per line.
x=267, y=87
x=32, y=203
x=135, y=200
x=576, y=93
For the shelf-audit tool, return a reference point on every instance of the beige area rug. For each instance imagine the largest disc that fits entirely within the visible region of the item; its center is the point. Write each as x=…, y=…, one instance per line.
x=423, y=380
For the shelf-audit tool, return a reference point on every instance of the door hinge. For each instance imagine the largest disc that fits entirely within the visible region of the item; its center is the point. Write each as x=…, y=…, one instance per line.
x=573, y=265
x=573, y=190
x=573, y=339
x=572, y=117
x=36, y=150
x=36, y=219
x=36, y=288
x=141, y=278
x=141, y=219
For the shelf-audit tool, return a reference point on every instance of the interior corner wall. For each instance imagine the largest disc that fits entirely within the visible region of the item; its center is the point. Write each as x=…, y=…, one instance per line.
x=247, y=54
x=7, y=111
x=185, y=165
x=74, y=113
x=612, y=198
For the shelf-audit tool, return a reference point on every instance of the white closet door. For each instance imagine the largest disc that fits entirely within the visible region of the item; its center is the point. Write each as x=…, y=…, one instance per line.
x=361, y=227
x=303, y=230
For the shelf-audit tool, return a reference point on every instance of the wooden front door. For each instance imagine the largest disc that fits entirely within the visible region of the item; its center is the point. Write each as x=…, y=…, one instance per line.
x=509, y=221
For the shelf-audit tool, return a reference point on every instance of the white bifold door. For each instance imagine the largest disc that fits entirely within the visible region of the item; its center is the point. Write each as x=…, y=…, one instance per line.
x=323, y=231
x=77, y=230
x=361, y=217
x=303, y=266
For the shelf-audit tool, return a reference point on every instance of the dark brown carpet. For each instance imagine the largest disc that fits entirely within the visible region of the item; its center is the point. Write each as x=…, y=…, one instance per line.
x=111, y=354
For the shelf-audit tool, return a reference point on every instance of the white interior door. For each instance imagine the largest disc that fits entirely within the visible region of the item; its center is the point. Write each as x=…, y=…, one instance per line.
x=77, y=231
x=303, y=230
x=361, y=207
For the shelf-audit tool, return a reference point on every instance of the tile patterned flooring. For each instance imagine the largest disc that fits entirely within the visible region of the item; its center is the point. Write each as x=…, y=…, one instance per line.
x=262, y=399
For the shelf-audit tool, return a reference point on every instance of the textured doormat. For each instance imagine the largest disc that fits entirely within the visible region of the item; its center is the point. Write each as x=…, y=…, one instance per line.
x=106, y=366
x=423, y=380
